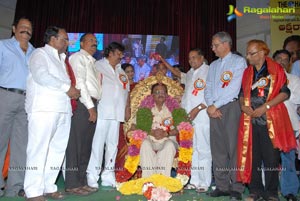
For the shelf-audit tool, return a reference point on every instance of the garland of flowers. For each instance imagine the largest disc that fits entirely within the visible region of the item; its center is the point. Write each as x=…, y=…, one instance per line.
x=143, y=125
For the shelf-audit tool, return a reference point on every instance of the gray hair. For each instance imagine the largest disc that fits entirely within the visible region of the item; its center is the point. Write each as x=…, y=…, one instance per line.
x=224, y=37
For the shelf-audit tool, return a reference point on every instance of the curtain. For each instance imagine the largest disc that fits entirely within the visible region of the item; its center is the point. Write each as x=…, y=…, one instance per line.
x=194, y=21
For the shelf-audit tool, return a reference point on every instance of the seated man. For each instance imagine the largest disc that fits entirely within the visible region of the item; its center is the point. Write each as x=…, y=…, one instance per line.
x=151, y=134
x=159, y=148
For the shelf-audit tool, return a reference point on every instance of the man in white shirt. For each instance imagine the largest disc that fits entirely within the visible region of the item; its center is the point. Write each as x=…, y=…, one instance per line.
x=194, y=103
x=49, y=115
x=111, y=110
x=84, y=118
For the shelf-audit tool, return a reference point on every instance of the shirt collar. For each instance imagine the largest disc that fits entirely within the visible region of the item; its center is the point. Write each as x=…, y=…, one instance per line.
x=55, y=52
x=227, y=57
x=84, y=52
x=16, y=42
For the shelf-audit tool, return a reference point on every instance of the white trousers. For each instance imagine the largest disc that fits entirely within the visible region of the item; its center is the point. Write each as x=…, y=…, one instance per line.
x=106, y=133
x=48, y=135
x=201, y=171
x=157, y=162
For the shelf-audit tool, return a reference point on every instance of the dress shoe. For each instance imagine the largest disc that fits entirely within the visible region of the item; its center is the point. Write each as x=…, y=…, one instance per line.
x=234, y=196
x=21, y=193
x=54, y=196
x=291, y=197
x=218, y=193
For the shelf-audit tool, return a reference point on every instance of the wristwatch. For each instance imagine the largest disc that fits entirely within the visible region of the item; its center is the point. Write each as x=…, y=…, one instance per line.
x=200, y=107
x=268, y=106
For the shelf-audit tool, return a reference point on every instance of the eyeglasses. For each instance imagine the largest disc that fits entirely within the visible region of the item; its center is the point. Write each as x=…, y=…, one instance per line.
x=252, y=53
x=216, y=45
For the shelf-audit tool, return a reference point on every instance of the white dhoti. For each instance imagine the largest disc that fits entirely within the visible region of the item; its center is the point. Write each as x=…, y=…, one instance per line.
x=201, y=159
x=157, y=157
x=107, y=133
x=48, y=134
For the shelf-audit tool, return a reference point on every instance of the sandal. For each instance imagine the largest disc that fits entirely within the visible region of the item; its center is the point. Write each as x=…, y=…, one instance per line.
x=89, y=189
x=77, y=191
x=190, y=187
x=55, y=195
x=201, y=190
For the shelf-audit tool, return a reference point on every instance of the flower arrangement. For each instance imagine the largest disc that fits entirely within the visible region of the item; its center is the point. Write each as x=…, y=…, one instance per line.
x=186, y=132
x=158, y=180
x=153, y=193
x=143, y=124
x=133, y=157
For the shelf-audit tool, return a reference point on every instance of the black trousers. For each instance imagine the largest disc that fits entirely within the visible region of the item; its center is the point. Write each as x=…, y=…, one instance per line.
x=79, y=147
x=264, y=157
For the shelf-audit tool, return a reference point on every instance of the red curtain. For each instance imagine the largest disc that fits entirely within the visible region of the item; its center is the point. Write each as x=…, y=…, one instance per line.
x=194, y=21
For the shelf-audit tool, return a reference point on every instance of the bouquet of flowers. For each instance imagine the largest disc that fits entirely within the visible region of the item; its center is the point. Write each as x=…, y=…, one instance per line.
x=153, y=193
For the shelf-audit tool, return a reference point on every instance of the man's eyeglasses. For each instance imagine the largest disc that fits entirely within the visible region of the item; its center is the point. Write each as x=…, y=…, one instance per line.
x=252, y=53
x=216, y=45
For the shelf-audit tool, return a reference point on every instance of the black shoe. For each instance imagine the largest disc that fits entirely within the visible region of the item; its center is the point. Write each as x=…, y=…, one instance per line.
x=234, y=195
x=290, y=197
x=217, y=193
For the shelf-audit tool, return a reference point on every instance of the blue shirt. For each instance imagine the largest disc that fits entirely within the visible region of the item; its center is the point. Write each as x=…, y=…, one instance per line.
x=296, y=68
x=13, y=64
x=224, y=80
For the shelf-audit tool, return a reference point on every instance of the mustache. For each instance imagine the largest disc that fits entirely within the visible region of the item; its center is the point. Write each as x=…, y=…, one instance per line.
x=26, y=32
x=94, y=45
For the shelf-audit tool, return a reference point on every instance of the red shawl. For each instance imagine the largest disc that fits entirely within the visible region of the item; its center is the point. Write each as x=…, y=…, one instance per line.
x=279, y=126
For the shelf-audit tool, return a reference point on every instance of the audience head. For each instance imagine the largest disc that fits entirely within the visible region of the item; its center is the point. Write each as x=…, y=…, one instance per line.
x=221, y=44
x=154, y=70
x=88, y=42
x=22, y=29
x=257, y=50
x=283, y=58
x=129, y=70
x=292, y=44
x=57, y=37
x=196, y=58
x=179, y=69
x=127, y=58
x=141, y=60
x=160, y=67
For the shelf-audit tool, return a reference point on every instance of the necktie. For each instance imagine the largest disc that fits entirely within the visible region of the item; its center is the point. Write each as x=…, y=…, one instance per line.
x=73, y=82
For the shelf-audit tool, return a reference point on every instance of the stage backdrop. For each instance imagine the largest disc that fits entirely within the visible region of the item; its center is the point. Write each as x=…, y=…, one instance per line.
x=194, y=21
x=284, y=24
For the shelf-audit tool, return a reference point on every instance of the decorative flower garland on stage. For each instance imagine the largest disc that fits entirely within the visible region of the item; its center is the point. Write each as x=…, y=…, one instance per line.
x=143, y=125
